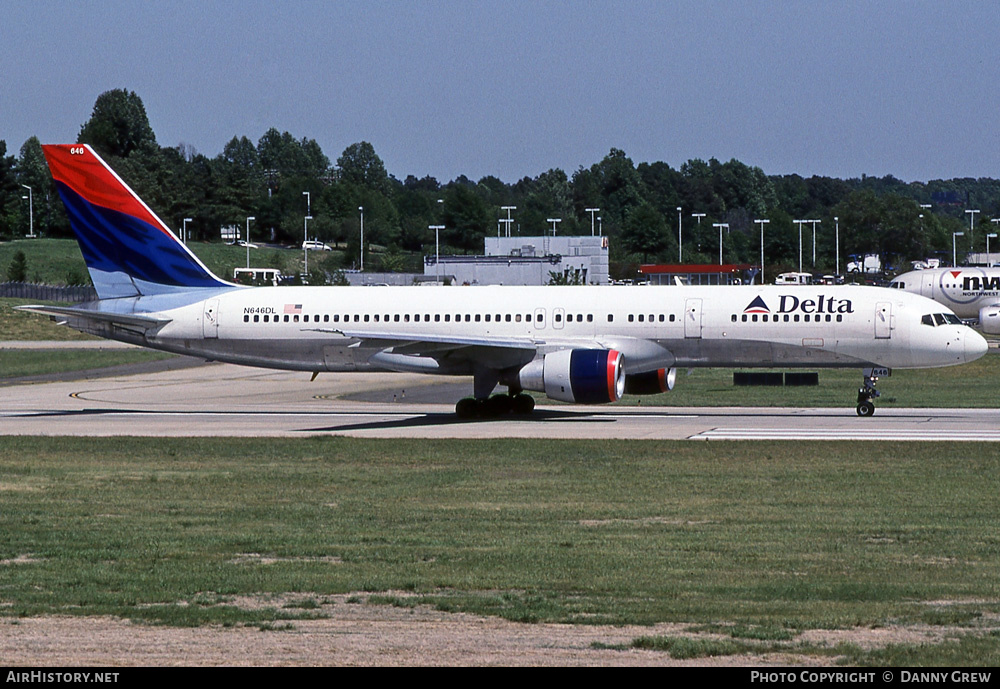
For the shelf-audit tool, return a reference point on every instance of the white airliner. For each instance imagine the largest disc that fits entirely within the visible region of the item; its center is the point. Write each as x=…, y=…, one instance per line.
x=576, y=344
x=972, y=293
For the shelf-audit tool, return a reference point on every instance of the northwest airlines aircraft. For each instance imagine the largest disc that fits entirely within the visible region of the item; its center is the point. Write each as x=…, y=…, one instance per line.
x=577, y=344
x=972, y=293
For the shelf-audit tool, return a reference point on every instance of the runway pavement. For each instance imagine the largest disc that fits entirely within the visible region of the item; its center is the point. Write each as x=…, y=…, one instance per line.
x=225, y=400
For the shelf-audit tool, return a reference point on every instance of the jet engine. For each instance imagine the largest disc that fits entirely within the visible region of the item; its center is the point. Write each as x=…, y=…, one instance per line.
x=989, y=319
x=651, y=382
x=584, y=376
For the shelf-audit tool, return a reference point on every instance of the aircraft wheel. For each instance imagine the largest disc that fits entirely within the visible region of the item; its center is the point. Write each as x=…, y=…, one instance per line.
x=497, y=405
x=866, y=409
x=523, y=404
x=467, y=408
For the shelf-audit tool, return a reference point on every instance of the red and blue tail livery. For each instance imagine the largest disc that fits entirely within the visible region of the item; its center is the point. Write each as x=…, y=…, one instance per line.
x=129, y=251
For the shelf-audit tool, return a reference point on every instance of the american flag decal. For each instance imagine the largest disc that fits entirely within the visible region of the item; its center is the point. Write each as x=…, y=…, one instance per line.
x=293, y=308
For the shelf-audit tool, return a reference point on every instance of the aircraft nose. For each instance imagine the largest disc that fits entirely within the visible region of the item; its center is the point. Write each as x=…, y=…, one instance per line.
x=975, y=345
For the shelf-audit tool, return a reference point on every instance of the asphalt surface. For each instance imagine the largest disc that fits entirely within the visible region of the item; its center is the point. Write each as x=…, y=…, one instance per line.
x=191, y=398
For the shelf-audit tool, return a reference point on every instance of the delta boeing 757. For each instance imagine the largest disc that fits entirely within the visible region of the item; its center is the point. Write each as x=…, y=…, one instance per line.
x=585, y=345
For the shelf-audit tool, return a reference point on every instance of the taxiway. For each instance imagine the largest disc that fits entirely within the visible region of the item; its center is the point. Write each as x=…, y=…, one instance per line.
x=225, y=400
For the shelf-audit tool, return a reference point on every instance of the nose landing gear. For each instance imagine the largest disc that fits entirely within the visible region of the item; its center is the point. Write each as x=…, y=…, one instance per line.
x=866, y=394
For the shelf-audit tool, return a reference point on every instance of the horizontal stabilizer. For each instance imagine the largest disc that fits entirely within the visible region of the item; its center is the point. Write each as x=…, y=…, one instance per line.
x=131, y=321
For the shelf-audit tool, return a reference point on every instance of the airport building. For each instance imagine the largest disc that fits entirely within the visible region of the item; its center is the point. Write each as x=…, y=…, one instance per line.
x=528, y=261
x=689, y=274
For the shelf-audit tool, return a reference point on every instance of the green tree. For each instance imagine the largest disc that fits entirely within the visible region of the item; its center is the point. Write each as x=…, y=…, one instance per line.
x=645, y=232
x=118, y=125
x=10, y=198
x=17, y=271
x=360, y=165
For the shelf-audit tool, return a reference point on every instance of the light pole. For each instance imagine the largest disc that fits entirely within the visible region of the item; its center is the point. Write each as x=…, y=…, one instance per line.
x=31, y=211
x=591, y=211
x=762, y=223
x=720, y=225
x=437, y=250
x=814, y=240
x=600, y=227
x=554, y=221
x=305, y=232
x=305, y=245
x=680, y=249
x=995, y=221
x=509, y=220
x=972, y=224
x=184, y=230
x=361, y=209
x=991, y=234
x=954, y=253
x=799, y=223
x=699, y=216
x=836, y=220
x=249, y=218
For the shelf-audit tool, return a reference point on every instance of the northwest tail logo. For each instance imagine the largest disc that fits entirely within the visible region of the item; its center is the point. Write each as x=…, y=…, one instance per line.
x=757, y=306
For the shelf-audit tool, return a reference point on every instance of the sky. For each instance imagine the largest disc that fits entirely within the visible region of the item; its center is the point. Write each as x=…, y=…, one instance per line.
x=512, y=89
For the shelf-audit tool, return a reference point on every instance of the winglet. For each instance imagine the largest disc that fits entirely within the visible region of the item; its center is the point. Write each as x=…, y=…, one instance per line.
x=129, y=251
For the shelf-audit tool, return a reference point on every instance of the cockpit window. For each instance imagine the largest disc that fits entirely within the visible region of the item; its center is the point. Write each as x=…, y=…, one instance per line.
x=940, y=319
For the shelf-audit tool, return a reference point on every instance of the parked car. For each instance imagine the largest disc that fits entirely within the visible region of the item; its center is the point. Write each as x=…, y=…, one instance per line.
x=313, y=245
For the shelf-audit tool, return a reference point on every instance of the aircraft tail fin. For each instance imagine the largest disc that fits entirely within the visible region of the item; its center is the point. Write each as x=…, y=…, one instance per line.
x=129, y=251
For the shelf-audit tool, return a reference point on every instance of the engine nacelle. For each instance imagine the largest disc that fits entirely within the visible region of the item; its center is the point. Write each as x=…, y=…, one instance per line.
x=989, y=319
x=583, y=376
x=651, y=382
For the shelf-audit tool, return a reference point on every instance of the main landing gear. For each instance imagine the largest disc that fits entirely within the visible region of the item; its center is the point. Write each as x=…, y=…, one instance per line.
x=866, y=394
x=495, y=406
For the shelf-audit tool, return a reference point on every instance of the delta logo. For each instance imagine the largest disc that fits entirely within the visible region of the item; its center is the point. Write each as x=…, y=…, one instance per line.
x=790, y=304
x=757, y=306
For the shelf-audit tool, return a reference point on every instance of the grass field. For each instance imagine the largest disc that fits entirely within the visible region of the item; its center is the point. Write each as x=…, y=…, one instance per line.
x=55, y=261
x=764, y=540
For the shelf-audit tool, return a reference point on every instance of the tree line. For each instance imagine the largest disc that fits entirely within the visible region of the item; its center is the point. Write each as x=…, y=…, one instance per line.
x=280, y=177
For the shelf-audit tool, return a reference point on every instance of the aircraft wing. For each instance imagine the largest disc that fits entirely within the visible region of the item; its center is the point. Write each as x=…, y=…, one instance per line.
x=423, y=344
x=138, y=323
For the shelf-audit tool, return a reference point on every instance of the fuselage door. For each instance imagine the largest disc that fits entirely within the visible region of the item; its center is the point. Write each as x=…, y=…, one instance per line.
x=927, y=285
x=692, y=318
x=883, y=320
x=539, y=319
x=558, y=316
x=210, y=319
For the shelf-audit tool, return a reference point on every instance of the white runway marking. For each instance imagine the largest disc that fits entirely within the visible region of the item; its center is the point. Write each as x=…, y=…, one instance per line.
x=936, y=434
